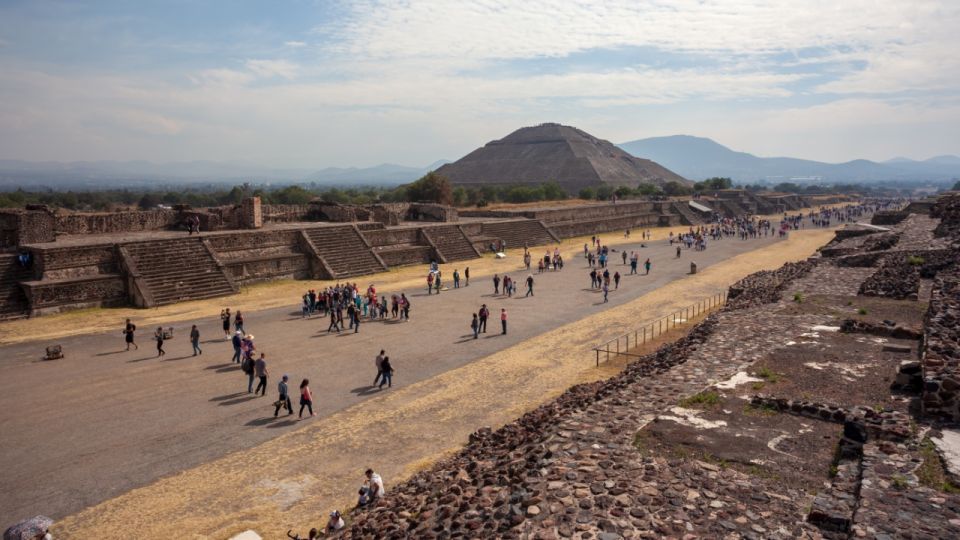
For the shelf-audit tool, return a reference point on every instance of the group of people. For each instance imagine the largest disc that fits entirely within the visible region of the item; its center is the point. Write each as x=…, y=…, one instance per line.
x=554, y=261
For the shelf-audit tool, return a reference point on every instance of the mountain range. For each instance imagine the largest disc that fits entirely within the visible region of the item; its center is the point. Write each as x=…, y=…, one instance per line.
x=93, y=174
x=697, y=158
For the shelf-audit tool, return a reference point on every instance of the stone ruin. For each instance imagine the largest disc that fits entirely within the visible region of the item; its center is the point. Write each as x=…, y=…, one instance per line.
x=126, y=258
x=825, y=447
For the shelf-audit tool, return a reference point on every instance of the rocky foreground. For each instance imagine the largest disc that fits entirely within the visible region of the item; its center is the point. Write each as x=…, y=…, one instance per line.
x=819, y=403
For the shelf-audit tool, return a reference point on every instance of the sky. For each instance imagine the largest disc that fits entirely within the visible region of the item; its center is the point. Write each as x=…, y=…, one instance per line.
x=358, y=83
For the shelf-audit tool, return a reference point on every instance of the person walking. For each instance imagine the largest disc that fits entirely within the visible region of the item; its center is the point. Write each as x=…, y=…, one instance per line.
x=406, y=306
x=128, y=332
x=496, y=284
x=260, y=369
x=456, y=278
x=529, y=285
x=306, y=398
x=484, y=315
x=430, y=283
x=616, y=280
x=503, y=320
x=646, y=266
x=466, y=277
x=237, y=342
x=195, y=340
x=158, y=335
x=475, y=326
x=334, y=324
x=606, y=291
x=378, y=361
x=436, y=282
x=624, y=257
x=283, y=402
x=238, y=323
x=678, y=252
x=225, y=320
x=248, y=367
x=387, y=373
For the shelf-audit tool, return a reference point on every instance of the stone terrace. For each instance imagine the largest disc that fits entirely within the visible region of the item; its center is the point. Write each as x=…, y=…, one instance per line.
x=675, y=446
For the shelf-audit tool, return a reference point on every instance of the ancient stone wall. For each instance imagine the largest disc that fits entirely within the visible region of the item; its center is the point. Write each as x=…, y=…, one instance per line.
x=572, y=229
x=91, y=291
x=941, y=349
x=947, y=209
x=71, y=262
x=888, y=217
x=251, y=213
x=391, y=237
x=116, y=222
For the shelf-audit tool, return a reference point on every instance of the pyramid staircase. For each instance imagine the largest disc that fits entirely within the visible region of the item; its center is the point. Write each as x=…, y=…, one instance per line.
x=452, y=243
x=176, y=270
x=519, y=233
x=345, y=251
x=13, y=302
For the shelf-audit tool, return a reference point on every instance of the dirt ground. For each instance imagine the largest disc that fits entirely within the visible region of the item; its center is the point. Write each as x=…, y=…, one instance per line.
x=294, y=479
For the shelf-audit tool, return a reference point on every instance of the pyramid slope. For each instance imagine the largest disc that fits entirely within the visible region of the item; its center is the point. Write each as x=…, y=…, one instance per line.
x=554, y=153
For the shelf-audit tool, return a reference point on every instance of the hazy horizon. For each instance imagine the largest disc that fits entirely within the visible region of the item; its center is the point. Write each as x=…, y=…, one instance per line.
x=315, y=84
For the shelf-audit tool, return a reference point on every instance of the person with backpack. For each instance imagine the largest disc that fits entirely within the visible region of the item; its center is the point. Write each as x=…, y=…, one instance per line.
x=247, y=367
x=195, y=340
x=284, y=400
x=306, y=398
x=128, y=331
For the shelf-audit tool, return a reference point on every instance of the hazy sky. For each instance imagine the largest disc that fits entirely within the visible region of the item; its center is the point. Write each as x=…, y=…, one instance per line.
x=329, y=83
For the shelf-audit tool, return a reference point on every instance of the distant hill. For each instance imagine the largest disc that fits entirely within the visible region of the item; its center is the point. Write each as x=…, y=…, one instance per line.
x=698, y=158
x=117, y=174
x=555, y=153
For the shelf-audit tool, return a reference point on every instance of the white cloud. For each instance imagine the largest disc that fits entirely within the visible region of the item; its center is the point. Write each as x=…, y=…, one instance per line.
x=295, y=44
x=273, y=68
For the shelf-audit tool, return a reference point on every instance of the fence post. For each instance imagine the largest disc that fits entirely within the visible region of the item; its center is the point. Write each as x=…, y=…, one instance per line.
x=644, y=335
x=598, y=357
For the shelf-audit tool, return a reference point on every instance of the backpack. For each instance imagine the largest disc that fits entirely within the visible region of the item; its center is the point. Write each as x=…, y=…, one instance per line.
x=247, y=366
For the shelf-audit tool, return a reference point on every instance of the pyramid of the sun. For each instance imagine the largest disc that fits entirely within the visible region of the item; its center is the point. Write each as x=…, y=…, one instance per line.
x=554, y=153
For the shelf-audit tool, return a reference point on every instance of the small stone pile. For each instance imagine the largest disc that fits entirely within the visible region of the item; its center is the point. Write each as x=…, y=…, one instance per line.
x=880, y=242
x=892, y=280
x=765, y=286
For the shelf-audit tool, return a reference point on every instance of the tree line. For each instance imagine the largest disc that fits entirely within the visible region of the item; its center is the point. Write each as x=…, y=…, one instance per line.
x=430, y=188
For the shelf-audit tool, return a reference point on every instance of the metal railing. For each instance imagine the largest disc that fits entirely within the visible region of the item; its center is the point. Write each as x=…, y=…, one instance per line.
x=621, y=345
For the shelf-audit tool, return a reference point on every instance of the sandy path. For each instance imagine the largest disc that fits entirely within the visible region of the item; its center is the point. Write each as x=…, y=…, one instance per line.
x=294, y=480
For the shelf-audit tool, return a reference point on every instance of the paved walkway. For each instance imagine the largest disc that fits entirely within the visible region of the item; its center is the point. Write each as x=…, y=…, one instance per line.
x=103, y=421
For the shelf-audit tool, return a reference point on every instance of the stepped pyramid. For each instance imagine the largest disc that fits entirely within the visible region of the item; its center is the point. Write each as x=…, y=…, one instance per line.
x=553, y=152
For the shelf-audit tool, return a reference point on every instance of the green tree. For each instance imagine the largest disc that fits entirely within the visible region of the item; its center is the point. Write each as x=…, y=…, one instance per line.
x=148, y=201
x=674, y=188
x=956, y=187
x=459, y=196
x=553, y=192
x=587, y=193
x=623, y=192
x=292, y=195
x=604, y=192
x=432, y=187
